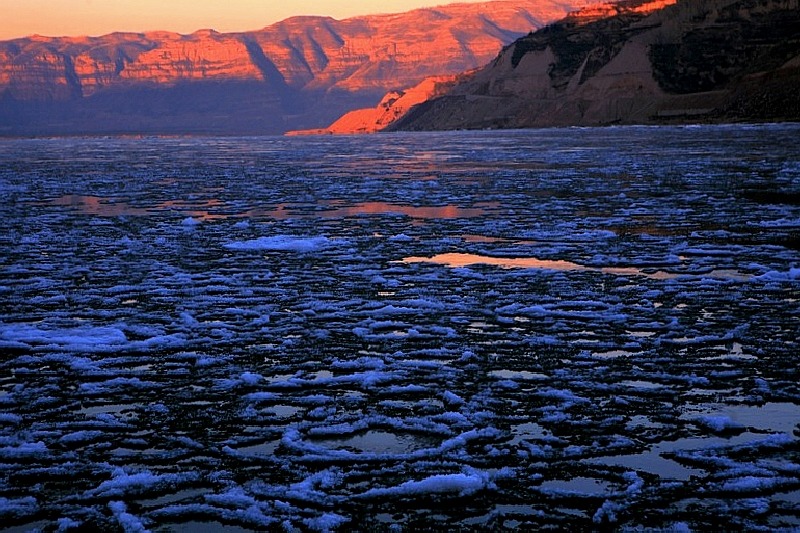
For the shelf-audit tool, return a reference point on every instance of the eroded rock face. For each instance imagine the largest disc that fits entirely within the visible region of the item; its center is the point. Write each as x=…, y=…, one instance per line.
x=393, y=106
x=636, y=62
x=293, y=60
x=368, y=52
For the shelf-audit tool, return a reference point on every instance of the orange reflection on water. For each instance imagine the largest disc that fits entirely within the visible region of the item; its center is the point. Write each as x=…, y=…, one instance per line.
x=458, y=260
x=108, y=207
x=204, y=209
x=384, y=208
x=95, y=205
x=196, y=209
x=337, y=209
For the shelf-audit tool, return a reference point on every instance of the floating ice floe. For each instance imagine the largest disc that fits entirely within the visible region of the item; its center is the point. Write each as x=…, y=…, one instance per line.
x=282, y=243
x=86, y=338
x=589, y=332
x=462, y=484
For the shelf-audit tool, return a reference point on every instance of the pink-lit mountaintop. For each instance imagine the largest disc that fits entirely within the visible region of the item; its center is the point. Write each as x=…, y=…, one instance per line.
x=302, y=71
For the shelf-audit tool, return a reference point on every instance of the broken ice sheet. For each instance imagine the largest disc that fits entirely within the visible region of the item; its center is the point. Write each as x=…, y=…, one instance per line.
x=594, y=332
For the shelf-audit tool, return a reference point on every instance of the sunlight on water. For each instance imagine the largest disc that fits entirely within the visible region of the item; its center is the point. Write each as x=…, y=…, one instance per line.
x=460, y=260
x=457, y=260
x=215, y=209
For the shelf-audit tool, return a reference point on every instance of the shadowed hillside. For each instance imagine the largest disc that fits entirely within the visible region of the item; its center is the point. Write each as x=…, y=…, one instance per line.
x=635, y=62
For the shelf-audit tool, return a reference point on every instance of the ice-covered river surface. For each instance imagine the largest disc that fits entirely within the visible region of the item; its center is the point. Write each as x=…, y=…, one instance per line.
x=490, y=330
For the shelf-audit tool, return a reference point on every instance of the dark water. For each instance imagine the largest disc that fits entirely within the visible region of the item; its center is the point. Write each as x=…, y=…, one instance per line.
x=489, y=330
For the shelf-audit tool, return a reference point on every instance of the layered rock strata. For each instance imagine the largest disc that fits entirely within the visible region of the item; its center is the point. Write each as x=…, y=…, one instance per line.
x=635, y=62
x=299, y=72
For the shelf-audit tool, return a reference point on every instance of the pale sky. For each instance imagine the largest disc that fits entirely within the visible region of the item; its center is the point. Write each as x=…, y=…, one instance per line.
x=20, y=18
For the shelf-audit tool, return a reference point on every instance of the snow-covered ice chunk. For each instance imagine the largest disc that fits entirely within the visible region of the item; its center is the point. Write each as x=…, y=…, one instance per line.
x=17, y=507
x=281, y=243
x=85, y=338
x=718, y=423
x=27, y=449
x=325, y=523
x=462, y=484
x=122, y=483
x=753, y=483
x=773, y=275
x=128, y=522
x=10, y=418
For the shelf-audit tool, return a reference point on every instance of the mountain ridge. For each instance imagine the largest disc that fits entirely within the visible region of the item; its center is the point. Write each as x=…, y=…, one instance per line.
x=298, y=72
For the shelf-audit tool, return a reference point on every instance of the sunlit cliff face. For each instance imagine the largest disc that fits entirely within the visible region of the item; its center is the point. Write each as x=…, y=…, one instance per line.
x=609, y=9
x=385, y=51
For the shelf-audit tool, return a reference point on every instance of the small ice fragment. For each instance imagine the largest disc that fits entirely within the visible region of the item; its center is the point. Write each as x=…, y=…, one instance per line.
x=718, y=423
x=249, y=378
x=129, y=523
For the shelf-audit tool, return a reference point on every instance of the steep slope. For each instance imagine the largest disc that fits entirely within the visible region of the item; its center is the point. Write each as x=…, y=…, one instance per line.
x=636, y=62
x=300, y=72
x=394, y=106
